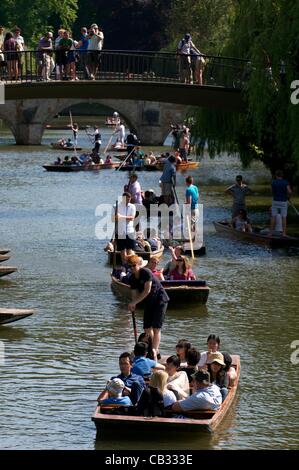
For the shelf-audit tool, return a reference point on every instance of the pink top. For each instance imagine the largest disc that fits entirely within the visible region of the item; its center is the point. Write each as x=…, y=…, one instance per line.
x=176, y=276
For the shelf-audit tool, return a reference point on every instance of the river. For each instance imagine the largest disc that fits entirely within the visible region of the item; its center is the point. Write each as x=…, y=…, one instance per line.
x=58, y=360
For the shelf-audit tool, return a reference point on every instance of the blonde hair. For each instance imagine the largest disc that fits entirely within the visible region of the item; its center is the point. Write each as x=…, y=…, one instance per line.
x=159, y=380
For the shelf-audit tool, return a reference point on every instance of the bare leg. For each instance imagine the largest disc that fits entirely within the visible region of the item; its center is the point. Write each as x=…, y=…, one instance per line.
x=284, y=226
x=156, y=338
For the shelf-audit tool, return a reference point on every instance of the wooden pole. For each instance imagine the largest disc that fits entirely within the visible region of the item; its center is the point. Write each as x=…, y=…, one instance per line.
x=190, y=237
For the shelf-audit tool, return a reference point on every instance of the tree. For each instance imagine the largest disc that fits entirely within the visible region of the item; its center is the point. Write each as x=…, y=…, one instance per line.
x=266, y=33
x=34, y=17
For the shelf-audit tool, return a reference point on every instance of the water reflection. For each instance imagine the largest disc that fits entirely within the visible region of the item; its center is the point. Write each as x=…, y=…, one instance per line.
x=59, y=359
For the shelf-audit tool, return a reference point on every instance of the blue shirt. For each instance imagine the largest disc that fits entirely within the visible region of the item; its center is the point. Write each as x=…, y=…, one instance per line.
x=279, y=190
x=168, y=172
x=117, y=401
x=85, y=42
x=130, y=379
x=193, y=192
x=143, y=366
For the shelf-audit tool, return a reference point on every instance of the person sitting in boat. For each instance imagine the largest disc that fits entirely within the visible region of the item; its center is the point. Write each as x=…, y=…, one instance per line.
x=67, y=161
x=153, y=239
x=58, y=161
x=152, y=265
x=134, y=384
x=218, y=375
x=61, y=143
x=182, y=271
x=115, y=389
x=241, y=222
x=156, y=397
x=176, y=252
x=192, y=358
x=84, y=158
x=147, y=339
x=177, y=380
x=229, y=369
x=75, y=161
x=141, y=244
x=205, y=396
x=182, y=347
x=141, y=364
x=95, y=157
x=108, y=160
x=213, y=343
x=69, y=143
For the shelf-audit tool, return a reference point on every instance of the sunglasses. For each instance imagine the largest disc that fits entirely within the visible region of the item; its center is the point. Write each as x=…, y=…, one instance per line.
x=133, y=265
x=179, y=346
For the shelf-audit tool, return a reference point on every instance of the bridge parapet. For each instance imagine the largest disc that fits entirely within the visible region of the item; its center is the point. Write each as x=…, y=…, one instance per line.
x=144, y=66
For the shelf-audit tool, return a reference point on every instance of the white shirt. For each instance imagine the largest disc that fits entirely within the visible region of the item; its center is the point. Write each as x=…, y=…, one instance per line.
x=20, y=42
x=126, y=226
x=96, y=42
x=208, y=398
x=168, y=398
x=180, y=383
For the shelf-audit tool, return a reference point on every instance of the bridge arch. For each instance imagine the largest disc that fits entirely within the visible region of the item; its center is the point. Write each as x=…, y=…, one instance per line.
x=150, y=119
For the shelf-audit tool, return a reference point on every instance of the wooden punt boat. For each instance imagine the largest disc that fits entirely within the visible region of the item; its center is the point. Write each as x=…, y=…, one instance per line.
x=131, y=168
x=9, y=315
x=224, y=228
x=179, y=166
x=143, y=254
x=177, y=291
x=75, y=168
x=4, y=251
x=56, y=146
x=4, y=258
x=196, y=421
x=5, y=270
x=117, y=149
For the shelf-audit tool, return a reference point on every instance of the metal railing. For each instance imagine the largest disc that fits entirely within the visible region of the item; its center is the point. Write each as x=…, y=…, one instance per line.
x=144, y=66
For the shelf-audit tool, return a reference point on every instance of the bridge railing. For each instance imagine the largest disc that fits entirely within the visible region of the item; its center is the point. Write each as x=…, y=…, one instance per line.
x=32, y=66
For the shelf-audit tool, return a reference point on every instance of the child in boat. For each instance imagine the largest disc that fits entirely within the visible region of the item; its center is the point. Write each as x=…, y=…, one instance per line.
x=216, y=369
x=147, y=339
x=182, y=271
x=241, y=222
x=141, y=364
x=213, y=343
x=177, y=380
x=108, y=160
x=182, y=347
x=229, y=369
x=192, y=357
x=156, y=397
x=115, y=388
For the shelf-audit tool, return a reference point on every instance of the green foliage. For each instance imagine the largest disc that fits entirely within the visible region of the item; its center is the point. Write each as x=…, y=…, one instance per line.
x=266, y=32
x=207, y=21
x=35, y=17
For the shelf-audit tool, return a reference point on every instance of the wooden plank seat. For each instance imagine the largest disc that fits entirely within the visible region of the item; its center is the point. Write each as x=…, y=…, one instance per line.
x=190, y=414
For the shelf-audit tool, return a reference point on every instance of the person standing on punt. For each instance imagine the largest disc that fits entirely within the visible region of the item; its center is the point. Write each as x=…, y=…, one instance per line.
x=281, y=191
x=168, y=180
x=145, y=286
x=239, y=191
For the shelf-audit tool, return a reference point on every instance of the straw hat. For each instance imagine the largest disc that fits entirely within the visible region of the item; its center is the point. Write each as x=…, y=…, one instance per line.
x=216, y=357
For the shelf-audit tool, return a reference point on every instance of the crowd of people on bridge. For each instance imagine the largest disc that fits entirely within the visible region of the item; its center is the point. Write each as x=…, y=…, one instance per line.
x=61, y=57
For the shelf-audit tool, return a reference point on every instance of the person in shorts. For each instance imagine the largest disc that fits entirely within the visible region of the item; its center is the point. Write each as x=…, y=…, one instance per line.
x=281, y=191
x=145, y=287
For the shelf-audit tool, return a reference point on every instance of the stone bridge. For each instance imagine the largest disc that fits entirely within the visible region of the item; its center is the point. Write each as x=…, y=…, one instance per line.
x=147, y=107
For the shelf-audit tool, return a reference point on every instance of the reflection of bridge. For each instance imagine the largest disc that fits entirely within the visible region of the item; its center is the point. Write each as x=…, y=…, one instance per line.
x=148, y=97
